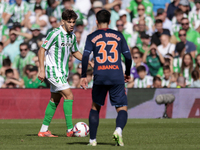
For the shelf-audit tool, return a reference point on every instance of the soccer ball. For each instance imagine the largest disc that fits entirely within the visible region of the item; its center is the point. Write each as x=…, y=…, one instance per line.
x=81, y=129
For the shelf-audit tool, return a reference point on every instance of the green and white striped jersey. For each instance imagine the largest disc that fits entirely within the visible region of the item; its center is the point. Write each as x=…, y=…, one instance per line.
x=18, y=12
x=3, y=8
x=20, y=62
x=59, y=44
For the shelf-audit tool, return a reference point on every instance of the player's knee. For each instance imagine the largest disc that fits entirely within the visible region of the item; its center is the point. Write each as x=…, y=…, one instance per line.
x=121, y=108
x=70, y=96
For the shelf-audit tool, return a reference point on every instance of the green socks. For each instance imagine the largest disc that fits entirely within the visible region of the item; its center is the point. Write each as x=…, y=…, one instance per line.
x=67, y=108
x=50, y=110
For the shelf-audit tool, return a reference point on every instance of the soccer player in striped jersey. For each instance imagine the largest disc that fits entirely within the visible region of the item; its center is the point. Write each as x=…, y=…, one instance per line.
x=107, y=46
x=58, y=45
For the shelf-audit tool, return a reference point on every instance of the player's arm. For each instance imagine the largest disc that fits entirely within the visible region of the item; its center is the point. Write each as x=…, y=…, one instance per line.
x=41, y=55
x=128, y=60
x=79, y=56
x=85, y=58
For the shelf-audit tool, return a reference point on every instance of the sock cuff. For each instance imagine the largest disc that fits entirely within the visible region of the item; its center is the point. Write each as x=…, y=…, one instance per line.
x=122, y=111
x=94, y=111
x=53, y=103
x=68, y=100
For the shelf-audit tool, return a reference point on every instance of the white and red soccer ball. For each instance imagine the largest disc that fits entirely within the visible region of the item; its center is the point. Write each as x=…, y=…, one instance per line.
x=81, y=129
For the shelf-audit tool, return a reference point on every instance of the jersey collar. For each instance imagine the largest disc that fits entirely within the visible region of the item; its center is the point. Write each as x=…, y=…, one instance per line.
x=61, y=28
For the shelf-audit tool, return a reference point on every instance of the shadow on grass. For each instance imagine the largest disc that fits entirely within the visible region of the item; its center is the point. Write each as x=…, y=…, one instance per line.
x=85, y=143
x=31, y=135
x=59, y=135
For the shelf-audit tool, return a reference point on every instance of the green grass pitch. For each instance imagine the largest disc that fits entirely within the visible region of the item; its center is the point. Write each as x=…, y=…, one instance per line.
x=139, y=134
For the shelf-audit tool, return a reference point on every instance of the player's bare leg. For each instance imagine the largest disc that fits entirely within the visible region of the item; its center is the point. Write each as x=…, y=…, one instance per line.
x=93, y=123
x=120, y=124
x=49, y=113
x=67, y=108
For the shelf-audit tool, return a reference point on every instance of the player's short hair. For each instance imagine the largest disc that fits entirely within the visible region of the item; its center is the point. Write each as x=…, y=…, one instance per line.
x=158, y=21
x=69, y=14
x=9, y=71
x=103, y=16
x=156, y=78
x=178, y=12
x=166, y=67
x=6, y=62
x=141, y=68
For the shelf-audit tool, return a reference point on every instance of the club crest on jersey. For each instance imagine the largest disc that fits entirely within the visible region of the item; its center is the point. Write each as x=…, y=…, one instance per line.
x=67, y=44
x=45, y=42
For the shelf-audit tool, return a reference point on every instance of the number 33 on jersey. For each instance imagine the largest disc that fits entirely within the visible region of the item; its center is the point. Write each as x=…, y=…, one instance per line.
x=107, y=46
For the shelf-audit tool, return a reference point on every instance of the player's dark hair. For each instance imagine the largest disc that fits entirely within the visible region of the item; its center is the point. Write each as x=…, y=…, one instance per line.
x=158, y=21
x=6, y=62
x=69, y=14
x=1, y=44
x=24, y=43
x=103, y=16
x=195, y=75
x=156, y=78
x=166, y=67
x=8, y=71
x=141, y=68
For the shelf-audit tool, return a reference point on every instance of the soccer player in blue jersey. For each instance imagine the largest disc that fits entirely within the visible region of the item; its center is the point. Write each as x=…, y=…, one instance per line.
x=107, y=46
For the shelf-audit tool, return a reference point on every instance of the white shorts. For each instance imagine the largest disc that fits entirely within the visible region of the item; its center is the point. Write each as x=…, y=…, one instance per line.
x=58, y=84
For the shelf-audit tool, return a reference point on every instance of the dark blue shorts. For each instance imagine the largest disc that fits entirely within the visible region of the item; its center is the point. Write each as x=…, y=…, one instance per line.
x=117, y=94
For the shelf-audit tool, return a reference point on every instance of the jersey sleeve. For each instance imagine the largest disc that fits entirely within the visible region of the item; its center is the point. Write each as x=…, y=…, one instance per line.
x=75, y=45
x=127, y=55
x=49, y=40
x=88, y=49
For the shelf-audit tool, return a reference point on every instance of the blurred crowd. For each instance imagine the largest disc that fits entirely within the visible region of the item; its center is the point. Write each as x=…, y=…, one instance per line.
x=163, y=37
